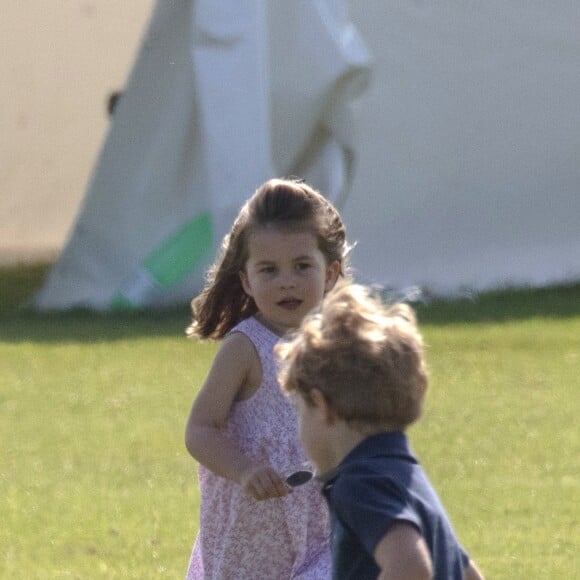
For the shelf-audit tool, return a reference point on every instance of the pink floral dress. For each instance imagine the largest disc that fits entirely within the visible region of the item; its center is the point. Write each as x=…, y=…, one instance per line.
x=276, y=539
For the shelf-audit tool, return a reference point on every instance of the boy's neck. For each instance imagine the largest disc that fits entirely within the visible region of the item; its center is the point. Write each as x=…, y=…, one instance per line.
x=344, y=442
x=346, y=437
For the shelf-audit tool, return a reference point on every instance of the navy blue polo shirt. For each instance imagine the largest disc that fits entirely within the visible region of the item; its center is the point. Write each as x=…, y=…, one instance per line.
x=378, y=483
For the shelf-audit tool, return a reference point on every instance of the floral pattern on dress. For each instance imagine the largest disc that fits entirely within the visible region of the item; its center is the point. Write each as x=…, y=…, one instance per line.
x=239, y=537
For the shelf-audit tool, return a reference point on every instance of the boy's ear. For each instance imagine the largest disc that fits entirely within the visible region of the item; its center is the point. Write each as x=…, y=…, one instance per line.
x=332, y=274
x=322, y=404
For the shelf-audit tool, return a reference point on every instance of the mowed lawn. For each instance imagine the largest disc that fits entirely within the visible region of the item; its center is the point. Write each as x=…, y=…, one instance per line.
x=95, y=481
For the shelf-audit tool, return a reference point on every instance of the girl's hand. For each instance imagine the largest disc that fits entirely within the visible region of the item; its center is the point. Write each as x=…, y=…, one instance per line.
x=263, y=482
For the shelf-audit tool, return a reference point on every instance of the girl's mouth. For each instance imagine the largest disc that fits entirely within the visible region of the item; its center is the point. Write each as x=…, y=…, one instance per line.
x=290, y=303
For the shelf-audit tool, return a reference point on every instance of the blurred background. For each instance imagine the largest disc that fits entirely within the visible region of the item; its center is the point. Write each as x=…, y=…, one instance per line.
x=60, y=61
x=466, y=139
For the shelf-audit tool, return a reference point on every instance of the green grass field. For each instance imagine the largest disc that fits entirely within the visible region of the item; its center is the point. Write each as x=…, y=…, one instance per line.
x=95, y=481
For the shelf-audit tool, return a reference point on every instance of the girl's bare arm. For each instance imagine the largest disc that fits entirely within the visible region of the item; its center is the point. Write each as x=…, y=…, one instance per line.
x=204, y=436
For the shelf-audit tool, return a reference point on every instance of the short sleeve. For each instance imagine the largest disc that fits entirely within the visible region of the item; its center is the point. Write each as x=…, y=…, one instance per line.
x=368, y=505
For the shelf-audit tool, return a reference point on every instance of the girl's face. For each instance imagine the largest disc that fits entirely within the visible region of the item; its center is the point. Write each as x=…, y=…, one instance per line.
x=287, y=276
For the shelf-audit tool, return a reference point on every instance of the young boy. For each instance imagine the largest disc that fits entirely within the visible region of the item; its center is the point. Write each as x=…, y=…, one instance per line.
x=358, y=377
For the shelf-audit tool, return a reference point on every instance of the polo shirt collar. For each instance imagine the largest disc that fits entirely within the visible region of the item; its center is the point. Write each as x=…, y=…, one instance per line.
x=392, y=444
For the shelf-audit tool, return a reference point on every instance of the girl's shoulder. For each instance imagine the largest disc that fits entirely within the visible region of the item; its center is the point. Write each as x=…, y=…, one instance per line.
x=238, y=345
x=239, y=350
x=257, y=332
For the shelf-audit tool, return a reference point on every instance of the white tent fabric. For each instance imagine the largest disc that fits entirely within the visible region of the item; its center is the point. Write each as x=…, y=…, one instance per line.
x=469, y=159
x=223, y=96
x=467, y=140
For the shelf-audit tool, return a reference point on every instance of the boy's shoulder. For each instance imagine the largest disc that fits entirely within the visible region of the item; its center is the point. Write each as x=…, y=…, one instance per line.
x=380, y=471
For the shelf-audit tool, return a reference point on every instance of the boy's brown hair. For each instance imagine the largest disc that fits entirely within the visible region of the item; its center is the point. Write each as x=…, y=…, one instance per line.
x=364, y=356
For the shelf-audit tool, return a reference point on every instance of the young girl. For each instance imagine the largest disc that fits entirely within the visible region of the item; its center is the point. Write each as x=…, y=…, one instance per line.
x=286, y=249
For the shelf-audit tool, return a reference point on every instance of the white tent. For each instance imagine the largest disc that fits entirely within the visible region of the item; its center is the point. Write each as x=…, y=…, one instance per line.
x=222, y=97
x=468, y=140
x=469, y=172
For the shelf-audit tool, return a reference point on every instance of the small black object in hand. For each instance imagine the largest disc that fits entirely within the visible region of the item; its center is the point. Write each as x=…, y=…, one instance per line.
x=299, y=477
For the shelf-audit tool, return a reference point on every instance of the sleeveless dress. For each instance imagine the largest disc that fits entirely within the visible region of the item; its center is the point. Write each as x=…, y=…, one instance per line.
x=276, y=539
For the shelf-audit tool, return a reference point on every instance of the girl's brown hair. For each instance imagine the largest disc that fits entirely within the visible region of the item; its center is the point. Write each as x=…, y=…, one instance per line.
x=286, y=203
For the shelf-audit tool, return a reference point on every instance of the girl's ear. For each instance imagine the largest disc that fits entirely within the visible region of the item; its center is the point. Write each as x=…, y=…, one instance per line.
x=245, y=284
x=332, y=274
x=321, y=403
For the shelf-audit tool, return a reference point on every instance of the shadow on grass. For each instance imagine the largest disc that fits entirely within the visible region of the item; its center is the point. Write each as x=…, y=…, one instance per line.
x=20, y=324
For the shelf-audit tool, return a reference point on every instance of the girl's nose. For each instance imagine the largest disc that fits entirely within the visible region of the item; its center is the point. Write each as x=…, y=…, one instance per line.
x=287, y=281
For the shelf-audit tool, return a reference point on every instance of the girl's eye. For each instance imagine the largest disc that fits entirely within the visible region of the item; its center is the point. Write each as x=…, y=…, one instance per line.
x=303, y=265
x=268, y=269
